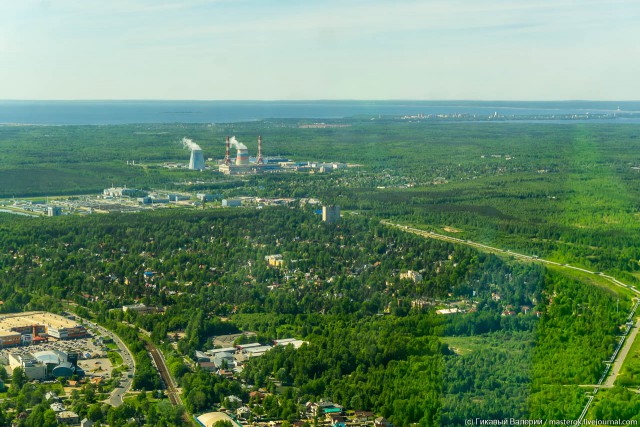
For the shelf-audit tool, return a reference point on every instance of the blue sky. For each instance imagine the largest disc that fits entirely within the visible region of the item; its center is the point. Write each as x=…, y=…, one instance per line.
x=308, y=49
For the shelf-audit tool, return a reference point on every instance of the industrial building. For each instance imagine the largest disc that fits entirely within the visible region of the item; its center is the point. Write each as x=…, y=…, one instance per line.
x=224, y=361
x=54, y=211
x=231, y=203
x=242, y=164
x=122, y=192
x=205, y=197
x=178, y=197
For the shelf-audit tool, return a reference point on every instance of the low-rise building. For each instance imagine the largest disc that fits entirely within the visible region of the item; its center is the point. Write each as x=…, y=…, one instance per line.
x=202, y=357
x=33, y=369
x=38, y=324
x=274, y=260
x=68, y=417
x=9, y=339
x=290, y=341
x=224, y=361
x=382, y=422
x=205, y=197
x=411, y=275
x=140, y=309
x=231, y=203
x=178, y=197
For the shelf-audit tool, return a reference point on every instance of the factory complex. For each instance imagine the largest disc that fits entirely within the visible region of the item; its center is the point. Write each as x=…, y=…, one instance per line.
x=37, y=326
x=132, y=200
x=243, y=164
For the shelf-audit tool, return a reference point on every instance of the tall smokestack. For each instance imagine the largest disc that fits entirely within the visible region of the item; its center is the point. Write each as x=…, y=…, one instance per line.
x=259, y=160
x=227, y=160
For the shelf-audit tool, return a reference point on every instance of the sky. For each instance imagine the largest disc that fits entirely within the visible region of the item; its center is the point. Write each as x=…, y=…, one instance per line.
x=320, y=49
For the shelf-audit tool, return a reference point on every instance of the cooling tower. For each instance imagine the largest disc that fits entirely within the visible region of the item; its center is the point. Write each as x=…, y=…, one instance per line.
x=243, y=156
x=196, y=162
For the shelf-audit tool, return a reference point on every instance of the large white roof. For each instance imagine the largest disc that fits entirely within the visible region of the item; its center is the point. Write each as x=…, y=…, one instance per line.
x=210, y=418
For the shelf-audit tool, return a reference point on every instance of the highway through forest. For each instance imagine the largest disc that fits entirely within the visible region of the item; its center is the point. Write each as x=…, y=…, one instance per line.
x=493, y=249
x=614, y=364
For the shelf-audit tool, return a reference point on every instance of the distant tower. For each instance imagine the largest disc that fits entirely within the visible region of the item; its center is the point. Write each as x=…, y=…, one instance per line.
x=259, y=160
x=227, y=160
x=196, y=163
x=54, y=211
x=331, y=214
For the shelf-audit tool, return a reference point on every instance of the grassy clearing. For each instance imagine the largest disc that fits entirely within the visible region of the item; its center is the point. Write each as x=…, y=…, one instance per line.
x=466, y=345
x=115, y=358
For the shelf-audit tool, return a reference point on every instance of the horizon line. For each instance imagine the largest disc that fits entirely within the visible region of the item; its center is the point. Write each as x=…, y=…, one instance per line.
x=312, y=100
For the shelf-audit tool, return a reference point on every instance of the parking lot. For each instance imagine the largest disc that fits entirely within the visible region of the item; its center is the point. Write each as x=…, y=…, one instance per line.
x=91, y=357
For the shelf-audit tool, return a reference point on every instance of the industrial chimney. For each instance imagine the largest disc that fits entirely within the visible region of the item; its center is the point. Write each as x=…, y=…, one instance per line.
x=259, y=160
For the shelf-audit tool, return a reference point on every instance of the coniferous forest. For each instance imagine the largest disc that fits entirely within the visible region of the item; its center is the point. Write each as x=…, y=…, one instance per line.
x=524, y=339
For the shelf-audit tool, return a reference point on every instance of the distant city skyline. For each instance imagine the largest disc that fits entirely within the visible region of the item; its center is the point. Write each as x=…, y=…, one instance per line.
x=330, y=49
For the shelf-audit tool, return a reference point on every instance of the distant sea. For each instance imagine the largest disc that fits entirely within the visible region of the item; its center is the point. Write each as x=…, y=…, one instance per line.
x=127, y=112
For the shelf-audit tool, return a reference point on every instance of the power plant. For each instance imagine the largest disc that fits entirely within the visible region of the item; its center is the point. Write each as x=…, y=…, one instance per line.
x=196, y=162
x=242, y=163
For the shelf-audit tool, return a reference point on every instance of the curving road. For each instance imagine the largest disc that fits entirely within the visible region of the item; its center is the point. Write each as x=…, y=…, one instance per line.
x=115, y=399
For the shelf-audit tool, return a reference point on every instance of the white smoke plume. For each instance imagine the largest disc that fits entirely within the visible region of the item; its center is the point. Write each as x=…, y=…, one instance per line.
x=190, y=144
x=239, y=145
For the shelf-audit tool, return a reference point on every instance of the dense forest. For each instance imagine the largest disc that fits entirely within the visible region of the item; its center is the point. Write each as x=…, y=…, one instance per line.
x=340, y=291
x=523, y=341
x=565, y=191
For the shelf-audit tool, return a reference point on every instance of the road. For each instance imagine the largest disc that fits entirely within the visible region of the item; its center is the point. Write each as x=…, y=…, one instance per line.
x=115, y=399
x=173, y=392
x=127, y=359
x=486, y=248
x=617, y=365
